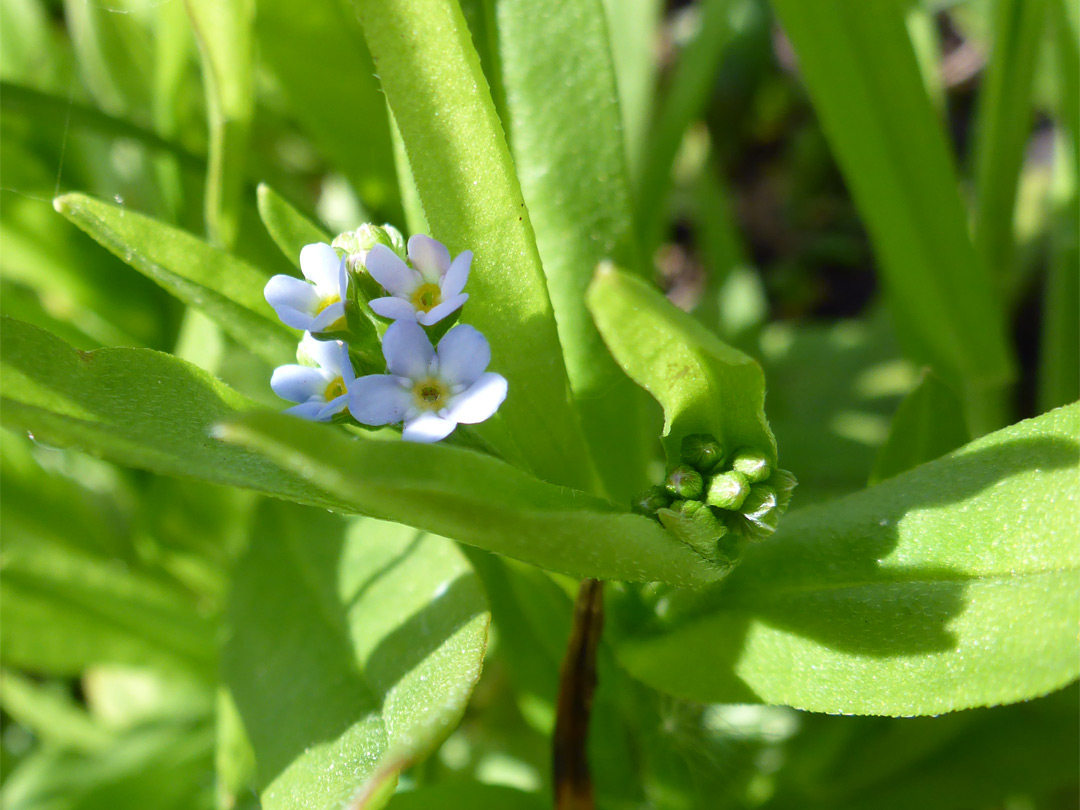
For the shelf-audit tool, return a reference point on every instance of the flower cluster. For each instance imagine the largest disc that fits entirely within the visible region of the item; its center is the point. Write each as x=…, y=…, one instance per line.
x=352, y=287
x=715, y=502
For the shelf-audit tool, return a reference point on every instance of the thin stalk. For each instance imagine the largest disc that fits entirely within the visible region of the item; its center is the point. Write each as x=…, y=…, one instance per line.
x=577, y=684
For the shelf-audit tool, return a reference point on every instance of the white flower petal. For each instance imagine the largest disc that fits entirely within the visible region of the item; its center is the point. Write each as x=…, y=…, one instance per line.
x=295, y=318
x=407, y=350
x=286, y=291
x=393, y=308
x=428, y=256
x=442, y=310
x=390, y=271
x=454, y=280
x=428, y=427
x=309, y=410
x=378, y=399
x=479, y=401
x=464, y=354
x=345, y=368
x=321, y=265
x=334, y=406
x=343, y=279
x=299, y=383
x=327, y=353
x=328, y=317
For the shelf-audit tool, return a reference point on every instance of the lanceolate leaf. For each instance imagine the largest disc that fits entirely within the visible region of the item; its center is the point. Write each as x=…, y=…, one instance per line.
x=133, y=406
x=289, y=229
x=704, y=385
x=474, y=499
x=858, y=64
x=951, y=586
x=224, y=287
x=223, y=30
x=316, y=51
x=1003, y=126
x=578, y=193
x=353, y=648
x=151, y=410
x=432, y=78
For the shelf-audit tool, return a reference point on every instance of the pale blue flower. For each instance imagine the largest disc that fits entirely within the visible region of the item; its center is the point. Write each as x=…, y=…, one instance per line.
x=426, y=292
x=315, y=305
x=430, y=390
x=322, y=391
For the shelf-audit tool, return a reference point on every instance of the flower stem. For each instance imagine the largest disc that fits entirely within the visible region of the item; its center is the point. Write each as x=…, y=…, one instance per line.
x=577, y=683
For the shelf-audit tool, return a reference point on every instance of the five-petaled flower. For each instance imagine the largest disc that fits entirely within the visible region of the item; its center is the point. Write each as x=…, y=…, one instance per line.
x=318, y=306
x=426, y=292
x=431, y=390
x=322, y=391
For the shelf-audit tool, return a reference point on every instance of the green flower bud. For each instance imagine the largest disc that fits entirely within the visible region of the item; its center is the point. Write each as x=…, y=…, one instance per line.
x=761, y=512
x=695, y=524
x=783, y=483
x=727, y=490
x=752, y=464
x=684, y=481
x=649, y=502
x=702, y=452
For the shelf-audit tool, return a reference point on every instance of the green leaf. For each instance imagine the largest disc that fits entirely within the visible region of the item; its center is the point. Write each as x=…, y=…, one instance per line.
x=56, y=111
x=467, y=796
x=632, y=27
x=475, y=499
x=100, y=402
x=861, y=72
x=563, y=125
x=64, y=610
x=353, y=648
x=164, y=767
x=926, y=594
x=431, y=75
x=223, y=286
x=686, y=95
x=1003, y=126
x=113, y=53
x=51, y=713
x=316, y=51
x=703, y=385
x=132, y=406
x=223, y=29
x=928, y=424
x=289, y=229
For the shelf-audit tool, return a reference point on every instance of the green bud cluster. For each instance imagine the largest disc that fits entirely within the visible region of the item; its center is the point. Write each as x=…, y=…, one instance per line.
x=716, y=502
x=354, y=245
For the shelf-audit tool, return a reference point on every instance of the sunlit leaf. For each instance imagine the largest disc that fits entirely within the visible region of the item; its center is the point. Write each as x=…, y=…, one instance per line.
x=431, y=75
x=223, y=286
x=353, y=648
x=704, y=385
x=950, y=586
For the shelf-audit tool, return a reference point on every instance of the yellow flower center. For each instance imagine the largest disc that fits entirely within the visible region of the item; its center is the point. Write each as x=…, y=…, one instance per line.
x=329, y=300
x=426, y=297
x=335, y=389
x=337, y=325
x=430, y=394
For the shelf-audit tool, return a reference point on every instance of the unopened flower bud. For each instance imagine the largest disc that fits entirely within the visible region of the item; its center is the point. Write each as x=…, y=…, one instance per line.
x=702, y=452
x=752, y=464
x=684, y=482
x=760, y=509
x=650, y=501
x=727, y=490
x=695, y=524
